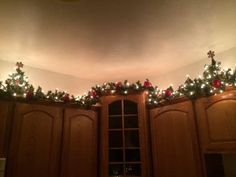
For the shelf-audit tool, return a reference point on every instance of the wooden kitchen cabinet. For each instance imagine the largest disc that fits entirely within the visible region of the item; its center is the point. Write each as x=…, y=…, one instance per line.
x=216, y=117
x=175, y=147
x=6, y=110
x=35, y=142
x=124, y=138
x=50, y=140
x=79, y=155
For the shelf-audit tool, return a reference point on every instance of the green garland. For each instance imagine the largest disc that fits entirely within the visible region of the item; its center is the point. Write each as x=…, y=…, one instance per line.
x=214, y=80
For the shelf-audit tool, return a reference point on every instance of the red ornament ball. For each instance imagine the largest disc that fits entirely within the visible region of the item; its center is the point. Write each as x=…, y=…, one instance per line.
x=66, y=98
x=29, y=95
x=147, y=84
x=118, y=84
x=93, y=93
x=168, y=93
x=216, y=83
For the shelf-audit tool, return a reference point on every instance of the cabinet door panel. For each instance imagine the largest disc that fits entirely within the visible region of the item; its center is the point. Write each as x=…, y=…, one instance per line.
x=175, y=149
x=217, y=122
x=80, y=143
x=35, y=145
x=124, y=137
x=6, y=109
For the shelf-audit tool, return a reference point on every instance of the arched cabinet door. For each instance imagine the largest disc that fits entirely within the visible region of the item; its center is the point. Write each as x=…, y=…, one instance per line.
x=79, y=155
x=35, y=141
x=217, y=122
x=174, y=141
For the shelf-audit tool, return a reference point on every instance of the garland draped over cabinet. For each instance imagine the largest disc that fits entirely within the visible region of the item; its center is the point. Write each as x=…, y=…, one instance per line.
x=214, y=80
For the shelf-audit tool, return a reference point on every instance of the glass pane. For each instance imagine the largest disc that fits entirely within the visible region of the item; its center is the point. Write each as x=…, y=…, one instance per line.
x=131, y=138
x=115, y=122
x=131, y=121
x=115, y=139
x=132, y=155
x=130, y=107
x=116, y=155
x=116, y=170
x=115, y=108
x=133, y=169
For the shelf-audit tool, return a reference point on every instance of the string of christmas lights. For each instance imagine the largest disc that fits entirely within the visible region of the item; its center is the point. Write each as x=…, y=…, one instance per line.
x=214, y=80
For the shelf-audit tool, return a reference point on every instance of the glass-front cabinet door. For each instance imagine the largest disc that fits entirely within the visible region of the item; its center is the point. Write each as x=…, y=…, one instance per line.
x=124, y=146
x=124, y=150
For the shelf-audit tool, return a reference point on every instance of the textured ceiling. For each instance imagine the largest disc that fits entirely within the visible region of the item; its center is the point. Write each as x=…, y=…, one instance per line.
x=114, y=39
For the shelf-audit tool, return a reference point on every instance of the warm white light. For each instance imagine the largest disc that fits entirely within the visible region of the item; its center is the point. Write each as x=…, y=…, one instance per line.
x=113, y=91
x=14, y=94
x=24, y=94
x=187, y=75
x=203, y=85
x=125, y=92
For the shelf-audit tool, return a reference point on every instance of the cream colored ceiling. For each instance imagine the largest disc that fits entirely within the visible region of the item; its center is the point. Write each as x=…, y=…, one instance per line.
x=114, y=39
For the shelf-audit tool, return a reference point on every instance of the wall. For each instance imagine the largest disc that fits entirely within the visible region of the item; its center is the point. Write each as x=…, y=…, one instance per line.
x=49, y=80
x=178, y=76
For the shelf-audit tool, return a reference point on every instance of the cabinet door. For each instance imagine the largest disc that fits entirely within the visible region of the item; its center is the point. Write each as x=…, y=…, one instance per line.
x=6, y=109
x=35, y=142
x=124, y=149
x=174, y=141
x=217, y=122
x=79, y=144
